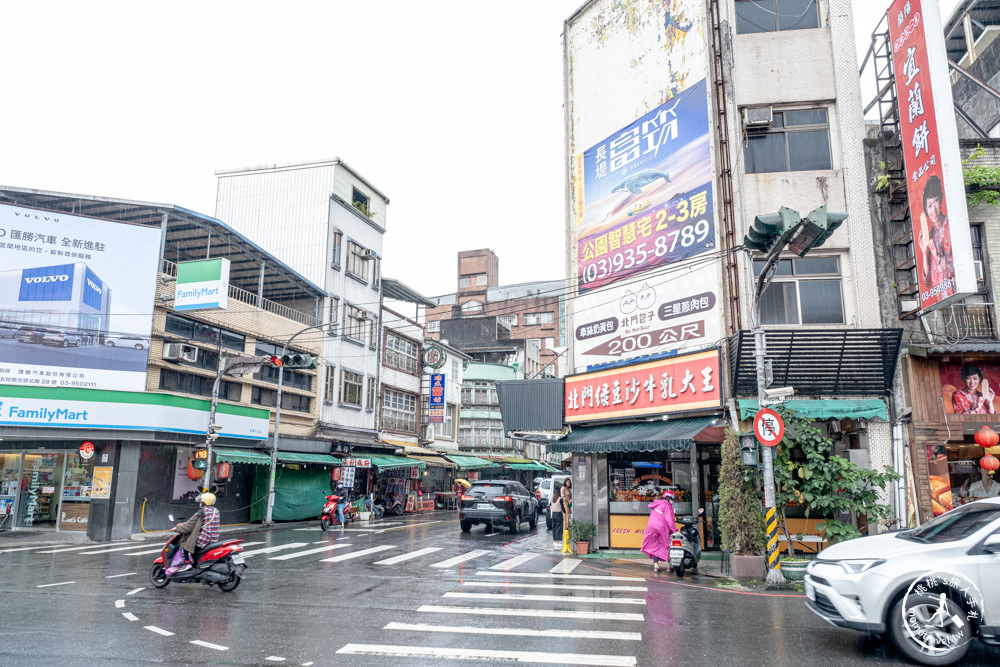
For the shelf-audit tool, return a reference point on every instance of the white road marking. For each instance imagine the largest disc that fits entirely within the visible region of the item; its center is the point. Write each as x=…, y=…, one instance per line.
x=409, y=556
x=460, y=559
x=59, y=551
x=280, y=547
x=141, y=553
x=274, y=658
x=43, y=546
x=299, y=554
x=130, y=616
x=119, y=604
x=566, y=566
x=551, y=575
x=159, y=631
x=61, y=583
x=518, y=632
x=536, y=613
x=357, y=554
x=565, y=587
x=306, y=664
x=115, y=576
x=210, y=645
x=380, y=526
x=136, y=590
x=514, y=562
x=483, y=655
x=104, y=551
x=545, y=598
x=411, y=525
x=244, y=545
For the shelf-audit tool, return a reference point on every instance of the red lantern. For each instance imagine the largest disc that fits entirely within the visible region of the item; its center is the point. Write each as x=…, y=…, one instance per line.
x=987, y=437
x=989, y=463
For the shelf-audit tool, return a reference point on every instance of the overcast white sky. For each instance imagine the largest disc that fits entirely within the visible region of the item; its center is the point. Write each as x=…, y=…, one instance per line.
x=452, y=108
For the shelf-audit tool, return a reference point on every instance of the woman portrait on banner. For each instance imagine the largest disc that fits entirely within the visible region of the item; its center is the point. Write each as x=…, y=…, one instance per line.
x=934, y=240
x=976, y=397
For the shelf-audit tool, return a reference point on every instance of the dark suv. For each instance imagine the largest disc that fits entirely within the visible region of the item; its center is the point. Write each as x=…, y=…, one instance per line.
x=32, y=334
x=497, y=502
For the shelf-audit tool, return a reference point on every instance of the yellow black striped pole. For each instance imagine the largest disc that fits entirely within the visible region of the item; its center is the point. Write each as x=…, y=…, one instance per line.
x=773, y=560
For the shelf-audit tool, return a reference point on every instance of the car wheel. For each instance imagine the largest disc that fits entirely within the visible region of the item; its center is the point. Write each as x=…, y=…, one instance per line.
x=138, y=346
x=466, y=526
x=110, y=343
x=65, y=343
x=915, y=615
x=515, y=524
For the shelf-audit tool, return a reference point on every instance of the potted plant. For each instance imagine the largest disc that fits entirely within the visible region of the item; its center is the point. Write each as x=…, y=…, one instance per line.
x=741, y=520
x=582, y=532
x=794, y=567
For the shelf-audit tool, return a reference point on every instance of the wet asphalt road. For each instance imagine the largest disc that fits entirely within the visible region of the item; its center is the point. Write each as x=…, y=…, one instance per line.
x=421, y=608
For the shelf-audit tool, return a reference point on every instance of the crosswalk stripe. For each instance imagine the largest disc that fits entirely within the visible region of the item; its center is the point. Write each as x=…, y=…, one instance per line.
x=565, y=587
x=550, y=575
x=518, y=632
x=358, y=554
x=460, y=559
x=489, y=655
x=545, y=598
x=409, y=556
x=299, y=554
x=141, y=553
x=513, y=562
x=159, y=631
x=535, y=613
x=59, y=551
x=43, y=546
x=104, y=551
x=280, y=547
x=566, y=566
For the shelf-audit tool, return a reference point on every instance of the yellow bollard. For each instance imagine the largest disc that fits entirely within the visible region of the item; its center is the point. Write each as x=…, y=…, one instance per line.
x=566, y=548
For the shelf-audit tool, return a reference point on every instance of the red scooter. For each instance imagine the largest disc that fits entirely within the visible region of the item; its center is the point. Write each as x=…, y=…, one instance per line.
x=219, y=563
x=328, y=517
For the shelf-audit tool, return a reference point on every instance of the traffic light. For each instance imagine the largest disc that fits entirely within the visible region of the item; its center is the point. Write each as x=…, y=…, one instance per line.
x=816, y=228
x=200, y=460
x=771, y=231
x=274, y=361
x=299, y=360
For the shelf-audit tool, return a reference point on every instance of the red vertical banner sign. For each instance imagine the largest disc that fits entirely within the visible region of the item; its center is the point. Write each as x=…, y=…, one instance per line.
x=940, y=219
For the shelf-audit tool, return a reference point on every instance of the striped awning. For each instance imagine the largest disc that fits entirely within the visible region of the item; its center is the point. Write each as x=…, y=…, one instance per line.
x=389, y=462
x=302, y=457
x=241, y=456
x=470, y=462
x=432, y=460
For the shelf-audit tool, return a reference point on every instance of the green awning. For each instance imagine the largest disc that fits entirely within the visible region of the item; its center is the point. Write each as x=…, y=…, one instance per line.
x=842, y=408
x=299, y=457
x=241, y=456
x=549, y=467
x=387, y=462
x=673, y=435
x=525, y=466
x=469, y=462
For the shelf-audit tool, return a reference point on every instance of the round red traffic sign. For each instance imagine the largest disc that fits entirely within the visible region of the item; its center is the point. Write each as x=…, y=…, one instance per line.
x=86, y=449
x=769, y=427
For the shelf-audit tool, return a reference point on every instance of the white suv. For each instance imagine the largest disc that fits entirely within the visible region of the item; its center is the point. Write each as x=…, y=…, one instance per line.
x=544, y=495
x=932, y=589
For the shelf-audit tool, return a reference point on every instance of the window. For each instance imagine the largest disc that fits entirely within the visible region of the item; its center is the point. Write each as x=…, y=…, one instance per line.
x=400, y=353
x=537, y=318
x=376, y=272
x=511, y=320
x=471, y=306
x=355, y=325
x=795, y=141
x=334, y=314
x=188, y=383
x=338, y=248
x=480, y=281
x=805, y=291
x=463, y=282
x=203, y=333
x=357, y=261
x=773, y=15
x=370, y=405
x=455, y=368
x=446, y=430
x=294, y=379
x=976, y=230
x=269, y=398
x=399, y=411
x=330, y=390
x=434, y=326
x=478, y=393
x=350, y=388
x=361, y=201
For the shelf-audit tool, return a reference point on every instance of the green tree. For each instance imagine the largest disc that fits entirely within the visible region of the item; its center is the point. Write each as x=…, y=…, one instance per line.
x=823, y=482
x=982, y=182
x=741, y=520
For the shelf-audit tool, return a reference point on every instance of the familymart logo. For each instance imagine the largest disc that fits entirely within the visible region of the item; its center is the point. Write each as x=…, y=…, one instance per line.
x=45, y=414
x=197, y=293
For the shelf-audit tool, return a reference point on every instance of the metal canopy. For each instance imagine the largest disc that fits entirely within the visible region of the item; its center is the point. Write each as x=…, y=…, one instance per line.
x=673, y=435
x=852, y=362
x=397, y=291
x=190, y=236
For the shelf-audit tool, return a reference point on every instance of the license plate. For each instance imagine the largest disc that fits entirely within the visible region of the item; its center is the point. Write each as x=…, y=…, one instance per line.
x=676, y=553
x=810, y=591
x=484, y=506
x=238, y=559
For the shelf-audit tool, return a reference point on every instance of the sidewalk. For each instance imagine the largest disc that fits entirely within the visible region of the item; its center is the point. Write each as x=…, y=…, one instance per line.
x=710, y=566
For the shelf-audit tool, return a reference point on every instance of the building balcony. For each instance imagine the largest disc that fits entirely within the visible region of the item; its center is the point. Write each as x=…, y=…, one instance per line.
x=968, y=321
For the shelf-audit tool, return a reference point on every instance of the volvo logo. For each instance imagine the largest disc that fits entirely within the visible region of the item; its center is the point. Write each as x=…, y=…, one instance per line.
x=93, y=286
x=47, y=279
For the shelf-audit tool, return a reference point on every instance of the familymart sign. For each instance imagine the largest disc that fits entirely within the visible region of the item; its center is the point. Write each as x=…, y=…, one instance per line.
x=124, y=410
x=202, y=285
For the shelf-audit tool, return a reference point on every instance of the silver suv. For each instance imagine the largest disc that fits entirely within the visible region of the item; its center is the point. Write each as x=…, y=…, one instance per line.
x=544, y=495
x=932, y=589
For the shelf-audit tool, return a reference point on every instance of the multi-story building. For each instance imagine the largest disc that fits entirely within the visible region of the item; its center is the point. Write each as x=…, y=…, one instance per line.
x=108, y=420
x=532, y=312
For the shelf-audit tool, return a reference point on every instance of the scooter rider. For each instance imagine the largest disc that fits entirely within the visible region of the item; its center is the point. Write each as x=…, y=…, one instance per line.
x=200, y=530
x=341, y=504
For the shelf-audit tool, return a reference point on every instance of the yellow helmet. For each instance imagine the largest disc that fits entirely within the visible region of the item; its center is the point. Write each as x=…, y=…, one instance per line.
x=207, y=498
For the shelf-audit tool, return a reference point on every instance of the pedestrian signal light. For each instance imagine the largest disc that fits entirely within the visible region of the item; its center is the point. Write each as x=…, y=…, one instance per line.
x=199, y=464
x=816, y=228
x=274, y=361
x=771, y=231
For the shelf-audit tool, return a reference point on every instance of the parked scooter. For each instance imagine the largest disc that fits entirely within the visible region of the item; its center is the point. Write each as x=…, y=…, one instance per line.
x=219, y=563
x=685, y=546
x=328, y=517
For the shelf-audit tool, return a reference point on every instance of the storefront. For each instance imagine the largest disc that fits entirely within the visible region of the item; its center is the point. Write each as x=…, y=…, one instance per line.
x=302, y=481
x=46, y=488
x=397, y=477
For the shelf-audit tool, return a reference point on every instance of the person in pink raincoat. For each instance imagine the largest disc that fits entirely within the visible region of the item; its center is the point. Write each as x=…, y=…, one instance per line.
x=661, y=524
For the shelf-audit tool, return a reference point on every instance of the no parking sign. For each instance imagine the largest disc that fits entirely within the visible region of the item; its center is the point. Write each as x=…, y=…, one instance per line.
x=768, y=427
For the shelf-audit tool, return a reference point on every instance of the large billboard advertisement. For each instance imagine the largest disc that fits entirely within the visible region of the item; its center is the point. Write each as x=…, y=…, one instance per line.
x=76, y=300
x=643, y=222
x=941, y=240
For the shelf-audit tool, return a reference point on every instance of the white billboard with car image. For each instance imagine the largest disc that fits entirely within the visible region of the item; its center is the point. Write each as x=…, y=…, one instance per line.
x=76, y=300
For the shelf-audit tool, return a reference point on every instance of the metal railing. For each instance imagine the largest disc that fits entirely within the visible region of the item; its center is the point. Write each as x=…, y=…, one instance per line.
x=969, y=321
x=169, y=268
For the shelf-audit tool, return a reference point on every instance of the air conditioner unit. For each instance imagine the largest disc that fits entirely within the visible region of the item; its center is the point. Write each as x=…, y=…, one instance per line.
x=979, y=270
x=180, y=352
x=428, y=432
x=368, y=253
x=757, y=117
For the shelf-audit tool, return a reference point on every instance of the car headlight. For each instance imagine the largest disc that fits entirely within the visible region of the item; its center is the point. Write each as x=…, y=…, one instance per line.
x=859, y=565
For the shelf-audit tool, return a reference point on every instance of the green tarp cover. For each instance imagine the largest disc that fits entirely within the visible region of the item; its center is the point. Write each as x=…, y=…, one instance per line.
x=299, y=457
x=298, y=494
x=469, y=462
x=386, y=462
x=842, y=408
x=241, y=456
x=673, y=435
x=530, y=465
